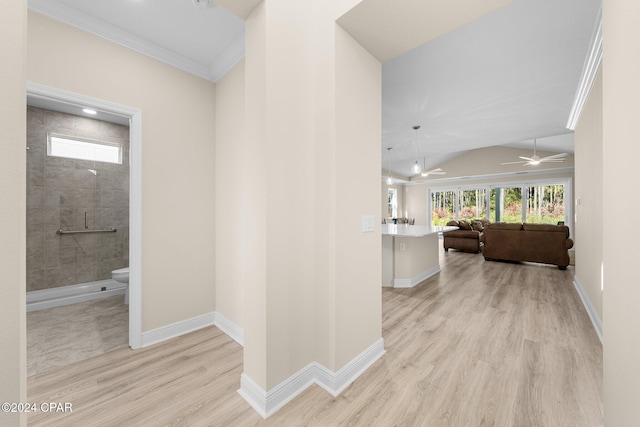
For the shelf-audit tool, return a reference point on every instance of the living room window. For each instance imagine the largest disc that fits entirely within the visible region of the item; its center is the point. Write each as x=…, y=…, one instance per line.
x=506, y=204
x=444, y=207
x=392, y=204
x=473, y=203
x=545, y=204
x=537, y=202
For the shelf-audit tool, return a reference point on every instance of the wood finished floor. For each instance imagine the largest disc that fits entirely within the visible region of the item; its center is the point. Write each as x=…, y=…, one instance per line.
x=481, y=344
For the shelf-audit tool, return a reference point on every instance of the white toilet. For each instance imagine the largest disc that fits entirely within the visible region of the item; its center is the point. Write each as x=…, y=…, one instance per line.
x=122, y=275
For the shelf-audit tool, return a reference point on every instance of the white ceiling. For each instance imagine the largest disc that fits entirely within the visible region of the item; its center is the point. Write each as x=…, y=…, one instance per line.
x=390, y=28
x=503, y=79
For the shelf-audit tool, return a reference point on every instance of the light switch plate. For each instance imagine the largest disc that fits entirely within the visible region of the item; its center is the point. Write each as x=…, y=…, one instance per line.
x=368, y=223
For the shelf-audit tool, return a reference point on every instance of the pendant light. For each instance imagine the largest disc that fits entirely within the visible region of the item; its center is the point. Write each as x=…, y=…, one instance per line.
x=389, y=178
x=416, y=168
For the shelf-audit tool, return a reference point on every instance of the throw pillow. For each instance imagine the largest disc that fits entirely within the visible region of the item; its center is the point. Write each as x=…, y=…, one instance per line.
x=464, y=225
x=477, y=225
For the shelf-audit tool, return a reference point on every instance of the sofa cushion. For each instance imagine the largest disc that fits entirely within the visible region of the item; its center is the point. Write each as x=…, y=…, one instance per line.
x=463, y=234
x=546, y=227
x=505, y=226
x=452, y=223
x=464, y=225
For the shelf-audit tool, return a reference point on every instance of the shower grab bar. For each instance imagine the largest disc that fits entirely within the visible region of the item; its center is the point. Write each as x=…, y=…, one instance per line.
x=61, y=231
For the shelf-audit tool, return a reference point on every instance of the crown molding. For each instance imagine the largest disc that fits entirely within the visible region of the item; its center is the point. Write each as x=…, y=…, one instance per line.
x=229, y=58
x=589, y=72
x=63, y=13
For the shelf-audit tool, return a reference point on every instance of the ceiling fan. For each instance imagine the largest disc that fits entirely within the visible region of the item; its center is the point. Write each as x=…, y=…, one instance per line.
x=433, y=172
x=425, y=172
x=536, y=160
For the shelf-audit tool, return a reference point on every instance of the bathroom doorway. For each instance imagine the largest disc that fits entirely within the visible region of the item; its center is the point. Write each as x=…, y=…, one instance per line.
x=83, y=219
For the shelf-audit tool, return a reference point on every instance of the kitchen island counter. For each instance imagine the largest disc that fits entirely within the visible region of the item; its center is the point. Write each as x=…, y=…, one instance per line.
x=410, y=253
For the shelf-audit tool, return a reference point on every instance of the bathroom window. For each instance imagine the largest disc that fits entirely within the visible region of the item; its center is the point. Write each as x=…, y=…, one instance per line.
x=83, y=148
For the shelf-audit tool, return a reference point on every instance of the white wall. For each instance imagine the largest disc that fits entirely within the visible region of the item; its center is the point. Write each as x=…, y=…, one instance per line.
x=358, y=255
x=588, y=185
x=278, y=319
x=290, y=213
x=314, y=294
x=621, y=127
x=178, y=135
x=13, y=173
x=254, y=211
x=415, y=203
x=230, y=222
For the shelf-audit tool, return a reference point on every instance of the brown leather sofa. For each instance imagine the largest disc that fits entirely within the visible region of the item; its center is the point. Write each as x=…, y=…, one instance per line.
x=469, y=237
x=544, y=243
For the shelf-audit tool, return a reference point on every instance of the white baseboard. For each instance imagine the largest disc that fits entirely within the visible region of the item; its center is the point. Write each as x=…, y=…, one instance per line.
x=409, y=283
x=254, y=395
x=230, y=328
x=173, y=330
x=336, y=382
x=591, y=311
x=73, y=294
x=267, y=403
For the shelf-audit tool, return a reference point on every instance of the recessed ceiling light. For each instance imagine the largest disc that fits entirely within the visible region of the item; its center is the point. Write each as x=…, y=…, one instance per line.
x=89, y=111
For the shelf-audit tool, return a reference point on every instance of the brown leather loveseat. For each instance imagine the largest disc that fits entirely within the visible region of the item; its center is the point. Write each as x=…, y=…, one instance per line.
x=543, y=243
x=468, y=237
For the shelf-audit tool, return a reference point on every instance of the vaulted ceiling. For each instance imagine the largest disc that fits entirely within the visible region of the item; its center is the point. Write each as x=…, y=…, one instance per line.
x=503, y=79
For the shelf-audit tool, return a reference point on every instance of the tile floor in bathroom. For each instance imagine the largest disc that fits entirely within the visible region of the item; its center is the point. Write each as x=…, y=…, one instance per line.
x=63, y=335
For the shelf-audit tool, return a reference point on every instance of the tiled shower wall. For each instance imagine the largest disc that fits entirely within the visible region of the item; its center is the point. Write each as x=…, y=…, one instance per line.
x=59, y=193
